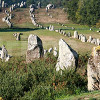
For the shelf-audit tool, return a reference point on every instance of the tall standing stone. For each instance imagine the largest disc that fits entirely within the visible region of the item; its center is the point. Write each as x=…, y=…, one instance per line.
x=90, y=39
x=3, y=4
x=93, y=70
x=4, y=53
x=83, y=38
x=0, y=3
x=98, y=41
x=35, y=48
x=55, y=52
x=39, y=5
x=75, y=34
x=68, y=58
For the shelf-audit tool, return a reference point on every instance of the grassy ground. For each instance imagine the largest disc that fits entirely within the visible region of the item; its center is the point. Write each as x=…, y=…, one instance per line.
x=22, y=24
x=85, y=96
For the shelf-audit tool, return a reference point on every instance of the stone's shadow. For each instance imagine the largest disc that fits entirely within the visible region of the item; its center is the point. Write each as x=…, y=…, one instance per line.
x=17, y=29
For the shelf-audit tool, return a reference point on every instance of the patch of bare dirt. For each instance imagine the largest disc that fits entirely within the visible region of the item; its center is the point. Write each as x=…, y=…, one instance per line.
x=58, y=15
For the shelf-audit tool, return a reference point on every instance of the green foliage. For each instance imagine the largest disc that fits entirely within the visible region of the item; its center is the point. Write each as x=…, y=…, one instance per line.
x=70, y=82
x=29, y=2
x=37, y=80
x=84, y=11
x=72, y=8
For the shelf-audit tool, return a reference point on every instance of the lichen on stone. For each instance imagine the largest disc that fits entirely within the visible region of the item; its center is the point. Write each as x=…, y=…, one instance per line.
x=95, y=49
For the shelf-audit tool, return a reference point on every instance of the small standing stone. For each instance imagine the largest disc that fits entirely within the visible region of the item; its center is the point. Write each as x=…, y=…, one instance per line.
x=55, y=52
x=76, y=34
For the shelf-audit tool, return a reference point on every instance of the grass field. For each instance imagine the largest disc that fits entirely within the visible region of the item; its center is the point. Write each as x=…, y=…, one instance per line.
x=84, y=96
x=22, y=24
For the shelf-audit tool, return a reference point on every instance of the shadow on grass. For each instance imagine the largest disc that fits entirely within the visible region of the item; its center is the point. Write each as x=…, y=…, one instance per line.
x=17, y=29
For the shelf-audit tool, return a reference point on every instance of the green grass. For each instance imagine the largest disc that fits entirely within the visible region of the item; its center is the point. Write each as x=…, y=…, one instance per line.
x=50, y=39
x=95, y=95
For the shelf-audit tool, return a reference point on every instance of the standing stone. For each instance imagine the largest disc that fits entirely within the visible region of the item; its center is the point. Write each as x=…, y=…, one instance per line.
x=45, y=51
x=50, y=50
x=55, y=52
x=46, y=9
x=90, y=39
x=76, y=34
x=98, y=41
x=18, y=37
x=94, y=41
x=39, y=5
x=80, y=36
x=3, y=4
x=35, y=48
x=68, y=58
x=4, y=53
x=18, y=4
x=69, y=34
x=0, y=3
x=64, y=32
x=93, y=70
x=83, y=39
x=10, y=9
x=73, y=28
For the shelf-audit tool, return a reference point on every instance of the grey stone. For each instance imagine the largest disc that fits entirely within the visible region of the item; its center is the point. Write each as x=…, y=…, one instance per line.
x=69, y=34
x=35, y=48
x=68, y=58
x=55, y=52
x=83, y=38
x=94, y=41
x=93, y=70
x=90, y=39
x=4, y=54
x=50, y=50
x=50, y=6
x=3, y=4
x=98, y=41
x=45, y=51
x=76, y=34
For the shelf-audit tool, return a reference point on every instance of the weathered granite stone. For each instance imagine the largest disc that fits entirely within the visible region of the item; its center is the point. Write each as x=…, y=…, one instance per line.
x=55, y=52
x=4, y=54
x=76, y=34
x=45, y=51
x=98, y=41
x=69, y=34
x=94, y=41
x=68, y=58
x=90, y=39
x=50, y=50
x=35, y=48
x=93, y=70
x=83, y=38
x=3, y=4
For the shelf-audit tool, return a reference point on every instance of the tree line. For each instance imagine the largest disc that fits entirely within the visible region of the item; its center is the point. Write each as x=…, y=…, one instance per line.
x=83, y=11
x=79, y=11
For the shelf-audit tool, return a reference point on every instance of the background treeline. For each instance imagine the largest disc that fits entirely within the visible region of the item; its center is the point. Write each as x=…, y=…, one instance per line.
x=83, y=11
x=79, y=11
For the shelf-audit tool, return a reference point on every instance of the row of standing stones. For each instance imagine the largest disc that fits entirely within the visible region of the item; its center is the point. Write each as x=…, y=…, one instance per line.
x=67, y=58
x=84, y=39
x=9, y=15
x=51, y=28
